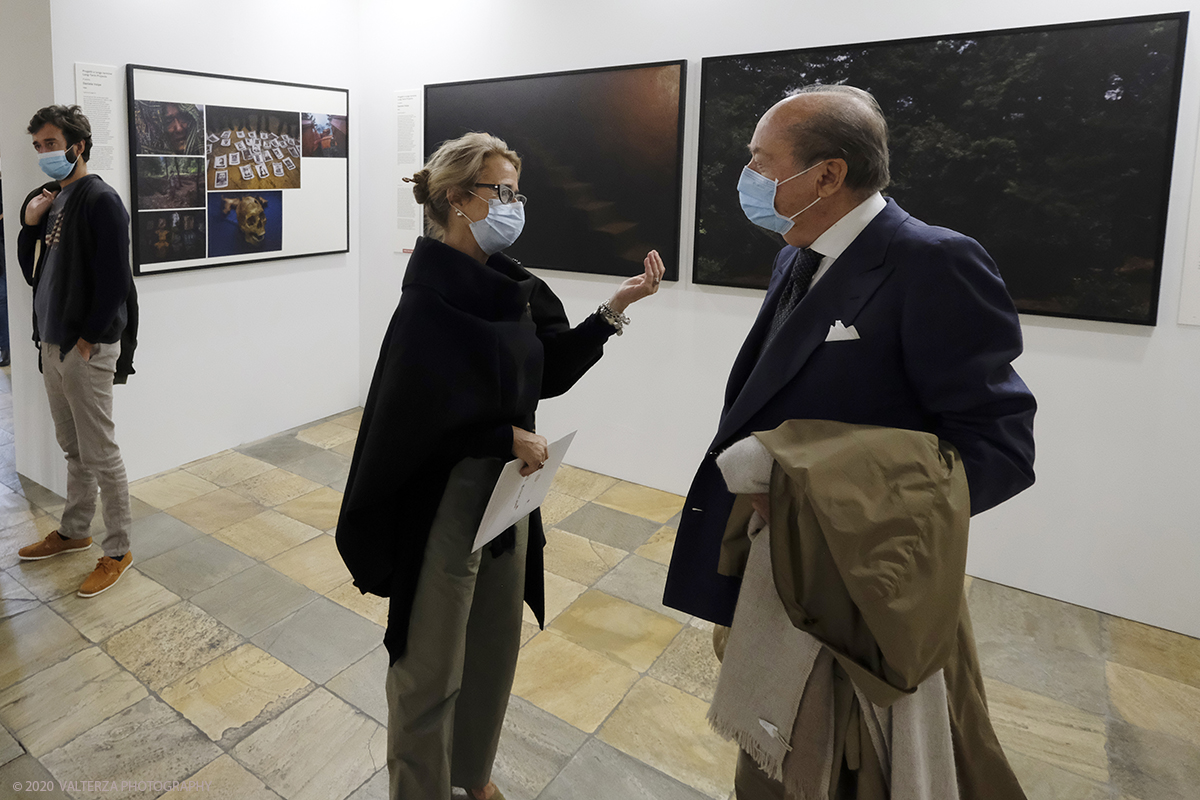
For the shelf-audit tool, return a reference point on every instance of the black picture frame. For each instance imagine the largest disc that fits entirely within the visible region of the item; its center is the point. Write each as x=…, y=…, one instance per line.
x=277, y=211
x=1052, y=145
x=602, y=159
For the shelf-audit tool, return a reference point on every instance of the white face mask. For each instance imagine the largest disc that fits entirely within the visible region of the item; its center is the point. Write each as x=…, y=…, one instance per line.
x=500, y=228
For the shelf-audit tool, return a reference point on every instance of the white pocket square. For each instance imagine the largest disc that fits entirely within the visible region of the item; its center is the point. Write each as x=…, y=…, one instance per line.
x=841, y=333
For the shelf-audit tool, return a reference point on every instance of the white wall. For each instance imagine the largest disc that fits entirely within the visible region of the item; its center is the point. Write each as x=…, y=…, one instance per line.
x=1113, y=520
x=225, y=355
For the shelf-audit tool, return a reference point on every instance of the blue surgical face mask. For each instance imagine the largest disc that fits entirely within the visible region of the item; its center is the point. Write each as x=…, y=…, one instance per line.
x=500, y=228
x=56, y=165
x=757, y=194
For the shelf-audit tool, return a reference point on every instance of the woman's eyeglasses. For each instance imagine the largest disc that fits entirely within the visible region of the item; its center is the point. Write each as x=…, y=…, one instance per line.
x=505, y=193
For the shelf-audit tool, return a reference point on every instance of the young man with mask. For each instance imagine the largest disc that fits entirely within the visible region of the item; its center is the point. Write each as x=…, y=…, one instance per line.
x=872, y=318
x=74, y=251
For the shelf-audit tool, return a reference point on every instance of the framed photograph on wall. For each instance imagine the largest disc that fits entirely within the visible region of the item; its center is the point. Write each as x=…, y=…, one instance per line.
x=1052, y=146
x=601, y=154
x=218, y=174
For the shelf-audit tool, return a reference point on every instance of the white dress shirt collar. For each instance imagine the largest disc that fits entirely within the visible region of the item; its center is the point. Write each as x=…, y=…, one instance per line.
x=834, y=241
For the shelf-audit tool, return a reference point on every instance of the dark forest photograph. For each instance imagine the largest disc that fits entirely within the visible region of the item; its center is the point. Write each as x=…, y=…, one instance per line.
x=601, y=154
x=164, y=182
x=1051, y=146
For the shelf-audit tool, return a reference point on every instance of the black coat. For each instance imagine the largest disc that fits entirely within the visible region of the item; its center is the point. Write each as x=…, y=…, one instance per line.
x=95, y=255
x=469, y=352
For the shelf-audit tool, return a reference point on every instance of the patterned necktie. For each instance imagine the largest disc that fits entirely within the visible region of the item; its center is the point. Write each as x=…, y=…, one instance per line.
x=804, y=267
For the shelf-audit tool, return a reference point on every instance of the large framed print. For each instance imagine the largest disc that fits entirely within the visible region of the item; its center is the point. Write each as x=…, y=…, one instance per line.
x=227, y=170
x=601, y=154
x=1052, y=146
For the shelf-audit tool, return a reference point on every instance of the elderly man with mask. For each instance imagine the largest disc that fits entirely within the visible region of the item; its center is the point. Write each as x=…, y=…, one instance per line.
x=879, y=367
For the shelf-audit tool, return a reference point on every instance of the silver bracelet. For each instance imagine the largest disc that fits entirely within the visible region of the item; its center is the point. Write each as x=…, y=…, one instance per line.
x=618, y=321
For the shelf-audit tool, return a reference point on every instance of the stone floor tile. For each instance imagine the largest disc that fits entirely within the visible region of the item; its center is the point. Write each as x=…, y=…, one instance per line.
x=600, y=772
x=272, y=488
x=32, y=641
x=216, y=510
x=326, y=467
x=156, y=534
x=659, y=546
x=327, y=435
x=369, y=606
x=1001, y=613
x=278, y=450
x=640, y=581
x=528, y=631
x=573, y=683
x=345, y=449
x=1048, y=730
x=9, y=748
x=178, y=569
x=14, y=597
x=626, y=633
x=45, y=499
x=351, y=419
x=641, y=501
x=266, y=535
x=1171, y=655
x=1039, y=644
x=56, y=577
x=1155, y=703
x=577, y=558
x=689, y=663
x=1151, y=765
x=166, y=646
x=133, y=598
x=227, y=468
x=254, y=599
x=316, y=564
x=581, y=483
x=557, y=507
x=14, y=538
x=299, y=766
x=374, y=789
x=610, y=527
x=225, y=779
x=15, y=510
x=319, y=508
x=234, y=694
x=33, y=778
x=362, y=684
x=534, y=748
x=155, y=745
x=320, y=640
x=51, y=708
x=668, y=729
x=171, y=489
x=560, y=593
x=1042, y=780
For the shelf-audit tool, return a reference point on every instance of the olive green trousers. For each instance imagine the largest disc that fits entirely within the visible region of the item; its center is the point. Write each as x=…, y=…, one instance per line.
x=448, y=693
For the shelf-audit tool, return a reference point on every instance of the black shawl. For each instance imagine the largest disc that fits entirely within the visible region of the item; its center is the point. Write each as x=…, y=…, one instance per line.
x=470, y=350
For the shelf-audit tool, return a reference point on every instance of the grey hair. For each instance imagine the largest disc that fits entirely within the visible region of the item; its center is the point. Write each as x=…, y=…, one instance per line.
x=850, y=126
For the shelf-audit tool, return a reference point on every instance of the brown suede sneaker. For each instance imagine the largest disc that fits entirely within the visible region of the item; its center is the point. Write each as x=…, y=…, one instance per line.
x=107, y=572
x=55, y=544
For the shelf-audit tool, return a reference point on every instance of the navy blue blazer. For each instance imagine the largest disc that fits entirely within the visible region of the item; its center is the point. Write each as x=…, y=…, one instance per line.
x=937, y=336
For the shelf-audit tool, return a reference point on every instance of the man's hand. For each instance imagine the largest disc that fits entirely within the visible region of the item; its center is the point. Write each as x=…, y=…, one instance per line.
x=530, y=448
x=762, y=504
x=84, y=348
x=38, y=206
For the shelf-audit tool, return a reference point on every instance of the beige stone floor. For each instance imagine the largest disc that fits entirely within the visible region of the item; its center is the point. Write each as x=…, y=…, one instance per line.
x=237, y=654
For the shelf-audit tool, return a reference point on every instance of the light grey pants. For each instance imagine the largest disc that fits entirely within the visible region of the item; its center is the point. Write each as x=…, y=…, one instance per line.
x=81, y=396
x=448, y=693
